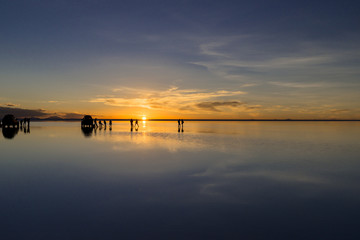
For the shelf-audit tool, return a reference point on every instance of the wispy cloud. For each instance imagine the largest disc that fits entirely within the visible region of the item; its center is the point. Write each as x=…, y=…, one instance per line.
x=174, y=99
x=247, y=59
x=298, y=84
x=21, y=112
x=213, y=105
x=11, y=105
x=210, y=49
x=339, y=111
x=227, y=67
x=37, y=113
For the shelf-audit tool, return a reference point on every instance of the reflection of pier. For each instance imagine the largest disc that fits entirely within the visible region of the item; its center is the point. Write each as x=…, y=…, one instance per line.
x=11, y=132
x=11, y=126
x=90, y=125
x=87, y=131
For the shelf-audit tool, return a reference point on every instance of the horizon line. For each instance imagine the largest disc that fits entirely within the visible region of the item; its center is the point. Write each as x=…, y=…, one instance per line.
x=198, y=119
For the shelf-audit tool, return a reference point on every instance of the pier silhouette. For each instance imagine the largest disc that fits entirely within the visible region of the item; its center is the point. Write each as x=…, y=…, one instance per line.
x=11, y=126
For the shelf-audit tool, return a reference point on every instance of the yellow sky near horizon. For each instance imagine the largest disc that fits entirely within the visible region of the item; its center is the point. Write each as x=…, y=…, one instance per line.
x=174, y=102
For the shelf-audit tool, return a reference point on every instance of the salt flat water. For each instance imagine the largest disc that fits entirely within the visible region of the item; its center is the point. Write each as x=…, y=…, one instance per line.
x=214, y=180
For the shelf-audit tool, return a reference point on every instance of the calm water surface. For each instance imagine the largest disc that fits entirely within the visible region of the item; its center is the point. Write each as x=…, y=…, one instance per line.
x=215, y=180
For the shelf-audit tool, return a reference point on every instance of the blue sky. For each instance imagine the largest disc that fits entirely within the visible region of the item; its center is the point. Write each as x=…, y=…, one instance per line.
x=225, y=59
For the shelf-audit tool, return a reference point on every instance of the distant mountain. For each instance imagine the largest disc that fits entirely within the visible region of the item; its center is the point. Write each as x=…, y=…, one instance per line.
x=53, y=118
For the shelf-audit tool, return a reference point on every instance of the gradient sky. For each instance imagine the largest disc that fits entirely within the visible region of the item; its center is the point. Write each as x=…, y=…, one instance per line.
x=188, y=59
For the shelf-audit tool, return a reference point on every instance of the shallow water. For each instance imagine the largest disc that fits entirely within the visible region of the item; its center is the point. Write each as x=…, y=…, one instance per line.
x=215, y=180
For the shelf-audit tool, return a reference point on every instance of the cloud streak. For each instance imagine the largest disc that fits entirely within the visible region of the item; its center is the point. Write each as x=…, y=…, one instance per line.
x=36, y=113
x=298, y=84
x=21, y=112
x=11, y=105
x=212, y=106
x=261, y=59
x=174, y=99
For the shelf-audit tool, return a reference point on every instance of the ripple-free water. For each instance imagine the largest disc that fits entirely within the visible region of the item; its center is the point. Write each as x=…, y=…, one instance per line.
x=215, y=180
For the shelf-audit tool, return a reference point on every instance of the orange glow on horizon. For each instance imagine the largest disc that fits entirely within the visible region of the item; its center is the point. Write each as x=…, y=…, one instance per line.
x=141, y=114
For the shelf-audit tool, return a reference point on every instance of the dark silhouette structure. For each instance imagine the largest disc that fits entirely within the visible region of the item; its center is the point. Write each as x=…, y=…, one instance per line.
x=88, y=125
x=9, y=121
x=87, y=122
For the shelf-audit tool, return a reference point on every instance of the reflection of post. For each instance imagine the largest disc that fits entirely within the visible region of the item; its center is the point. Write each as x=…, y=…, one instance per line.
x=180, y=125
x=25, y=128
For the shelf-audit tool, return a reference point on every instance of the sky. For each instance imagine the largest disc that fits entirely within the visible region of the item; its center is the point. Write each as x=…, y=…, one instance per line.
x=180, y=59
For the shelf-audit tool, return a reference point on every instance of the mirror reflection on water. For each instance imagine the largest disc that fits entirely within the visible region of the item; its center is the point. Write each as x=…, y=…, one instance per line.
x=213, y=180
